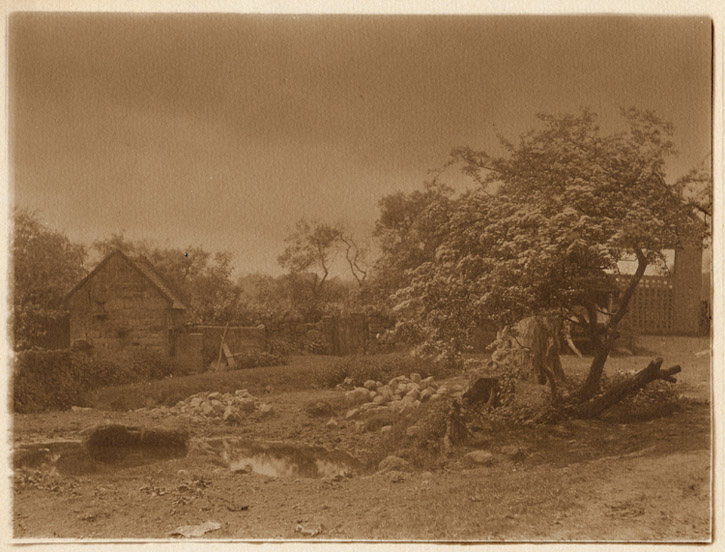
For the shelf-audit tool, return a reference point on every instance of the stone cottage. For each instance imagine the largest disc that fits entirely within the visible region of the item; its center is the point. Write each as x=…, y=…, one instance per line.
x=125, y=304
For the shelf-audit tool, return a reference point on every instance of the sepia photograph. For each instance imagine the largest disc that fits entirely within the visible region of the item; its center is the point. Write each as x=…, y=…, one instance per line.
x=338, y=277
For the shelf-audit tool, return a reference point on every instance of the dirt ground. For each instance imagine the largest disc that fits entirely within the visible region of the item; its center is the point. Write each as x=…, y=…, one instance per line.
x=593, y=480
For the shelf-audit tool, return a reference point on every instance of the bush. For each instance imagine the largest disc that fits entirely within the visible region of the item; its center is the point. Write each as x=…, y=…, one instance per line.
x=378, y=368
x=44, y=380
x=282, y=346
x=260, y=358
x=52, y=380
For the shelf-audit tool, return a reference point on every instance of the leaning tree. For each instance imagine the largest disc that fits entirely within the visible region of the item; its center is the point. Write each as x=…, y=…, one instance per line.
x=542, y=234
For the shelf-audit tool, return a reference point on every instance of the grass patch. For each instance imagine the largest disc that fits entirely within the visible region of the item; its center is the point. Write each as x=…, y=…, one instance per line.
x=296, y=375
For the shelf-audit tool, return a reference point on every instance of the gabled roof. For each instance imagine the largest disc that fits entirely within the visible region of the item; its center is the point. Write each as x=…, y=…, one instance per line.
x=146, y=269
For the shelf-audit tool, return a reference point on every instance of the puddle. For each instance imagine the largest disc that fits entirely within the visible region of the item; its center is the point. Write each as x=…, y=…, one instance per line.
x=75, y=458
x=285, y=460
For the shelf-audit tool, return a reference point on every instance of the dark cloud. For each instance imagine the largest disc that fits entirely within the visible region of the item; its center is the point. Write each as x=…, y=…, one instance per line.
x=224, y=129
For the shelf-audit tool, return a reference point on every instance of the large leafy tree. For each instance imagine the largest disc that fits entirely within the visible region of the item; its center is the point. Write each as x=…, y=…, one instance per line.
x=544, y=228
x=409, y=230
x=46, y=265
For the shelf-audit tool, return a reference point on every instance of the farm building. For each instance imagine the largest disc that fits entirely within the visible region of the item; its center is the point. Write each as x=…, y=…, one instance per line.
x=124, y=303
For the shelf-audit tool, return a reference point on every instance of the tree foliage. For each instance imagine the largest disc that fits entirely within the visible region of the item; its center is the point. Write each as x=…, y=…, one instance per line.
x=542, y=232
x=46, y=265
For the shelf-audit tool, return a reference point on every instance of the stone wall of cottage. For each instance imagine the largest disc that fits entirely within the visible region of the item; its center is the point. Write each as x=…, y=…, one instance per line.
x=118, y=308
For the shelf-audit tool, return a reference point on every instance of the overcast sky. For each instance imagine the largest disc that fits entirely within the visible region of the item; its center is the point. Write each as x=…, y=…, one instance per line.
x=223, y=130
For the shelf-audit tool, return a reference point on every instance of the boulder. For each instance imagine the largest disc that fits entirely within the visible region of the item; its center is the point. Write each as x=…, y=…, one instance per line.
x=246, y=405
x=195, y=402
x=370, y=385
x=479, y=457
x=385, y=430
x=426, y=394
x=413, y=393
x=379, y=399
x=231, y=416
x=357, y=394
x=216, y=395
x=393, y=463
x=207, y=409
x=218, y=406
x=415, y=377
x=427, y=382
x=352, y=413
x=413, y=430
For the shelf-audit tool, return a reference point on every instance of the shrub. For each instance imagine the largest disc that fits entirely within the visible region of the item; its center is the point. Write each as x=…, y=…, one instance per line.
x=51, y=380
x=44, y=380
x=260, y=358
x=282, y=346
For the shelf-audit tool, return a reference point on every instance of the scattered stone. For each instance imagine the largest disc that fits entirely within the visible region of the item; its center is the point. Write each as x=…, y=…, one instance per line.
x=194, y=403
x=218, y=406
x=390, y=463
x=246, y=405
x=196, y=530
x=370, y=385
x=513, y=451
x=379, y=399
x=480, y=457
x=385, y=430
x=397, y=476
x=265, y=410
x=415, y=377
x=352, y=413
x=207, y=409
x=216, y=395
x=359, y=427
x=80, y=409
x=331, y=423
x=426, y=394
x=413, y=430
x=231, y=416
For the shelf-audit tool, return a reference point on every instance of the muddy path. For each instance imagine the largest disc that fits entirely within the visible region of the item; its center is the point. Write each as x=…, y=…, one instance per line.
x=293, y=477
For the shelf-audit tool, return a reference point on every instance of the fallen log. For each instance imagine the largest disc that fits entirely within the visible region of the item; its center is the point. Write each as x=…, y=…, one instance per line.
x=616, y=393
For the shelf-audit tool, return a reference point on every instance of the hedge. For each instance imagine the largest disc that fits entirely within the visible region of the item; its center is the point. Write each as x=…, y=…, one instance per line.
x=56, y=380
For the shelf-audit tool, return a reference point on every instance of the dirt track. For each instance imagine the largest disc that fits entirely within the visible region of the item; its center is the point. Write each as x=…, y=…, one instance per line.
x=593, y=480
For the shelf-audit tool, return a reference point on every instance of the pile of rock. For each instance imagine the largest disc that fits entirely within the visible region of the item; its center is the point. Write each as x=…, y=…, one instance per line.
x=228, y=407
x=402, y=394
